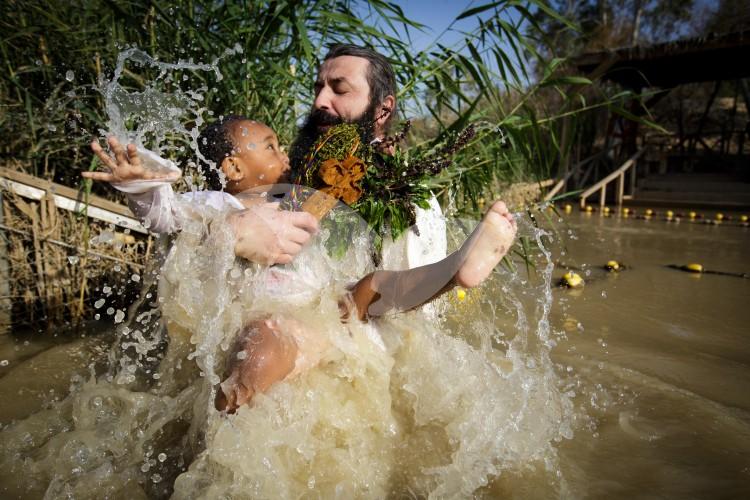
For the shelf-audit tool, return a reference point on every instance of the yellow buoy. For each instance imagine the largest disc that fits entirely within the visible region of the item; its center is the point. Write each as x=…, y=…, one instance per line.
x=720, y=217
x=743, y=218
x=568, y=208
x=606, y=210
x=589, y=209
x=694, y=268
x=670, y=214
x=625, y=211
x=572, y=280
x=612, y=265
x=649, y=212
x=693, y=215
x=461, y=294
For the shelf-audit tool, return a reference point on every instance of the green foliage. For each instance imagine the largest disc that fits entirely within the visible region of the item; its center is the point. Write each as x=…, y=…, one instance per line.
x=525, y=123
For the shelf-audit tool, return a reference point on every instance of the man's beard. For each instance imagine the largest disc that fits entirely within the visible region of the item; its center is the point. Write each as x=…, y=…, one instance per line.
x=310, y=132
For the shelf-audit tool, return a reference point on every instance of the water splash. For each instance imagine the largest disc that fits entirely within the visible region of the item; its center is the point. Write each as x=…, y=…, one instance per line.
x=446, y=407
x=162, y=117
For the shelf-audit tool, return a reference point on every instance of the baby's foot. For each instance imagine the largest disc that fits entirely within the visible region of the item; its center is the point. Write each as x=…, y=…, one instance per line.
x=486, y=246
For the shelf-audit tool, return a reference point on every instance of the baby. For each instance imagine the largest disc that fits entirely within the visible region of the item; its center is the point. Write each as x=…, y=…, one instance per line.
x=248, y=154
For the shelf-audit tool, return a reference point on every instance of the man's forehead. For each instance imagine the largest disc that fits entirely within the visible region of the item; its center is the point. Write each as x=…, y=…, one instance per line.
x=350, y=68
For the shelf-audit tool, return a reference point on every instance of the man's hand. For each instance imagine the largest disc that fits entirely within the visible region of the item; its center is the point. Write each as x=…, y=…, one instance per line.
x=266, y=235
x=125, y=166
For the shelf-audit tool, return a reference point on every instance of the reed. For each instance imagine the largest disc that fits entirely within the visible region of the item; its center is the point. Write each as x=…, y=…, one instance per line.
x=56, y=273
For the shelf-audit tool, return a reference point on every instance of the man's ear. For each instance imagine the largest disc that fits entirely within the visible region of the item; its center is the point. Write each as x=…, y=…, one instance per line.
x=387, y=108
x=231, y=169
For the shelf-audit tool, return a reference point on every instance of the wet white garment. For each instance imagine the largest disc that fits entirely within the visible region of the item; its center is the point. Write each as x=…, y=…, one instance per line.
x=412, y=250
x=162, y=211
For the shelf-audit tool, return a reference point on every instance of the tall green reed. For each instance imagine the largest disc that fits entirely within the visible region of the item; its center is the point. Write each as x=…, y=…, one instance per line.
x=530, y=113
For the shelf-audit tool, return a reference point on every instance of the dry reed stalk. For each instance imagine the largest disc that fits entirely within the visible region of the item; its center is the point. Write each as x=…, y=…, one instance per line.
x=54, y=276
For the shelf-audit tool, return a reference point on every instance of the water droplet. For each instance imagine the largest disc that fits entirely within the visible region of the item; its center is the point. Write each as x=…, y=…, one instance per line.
x=110, y=310
x=97, y=316
x=236, y=273
x=604, y=294
x=4, y=362
x=69, y=75
x=145, y=467
x=135, y=278
x=51, y=127
x=73, y=259
x=241, y=355
x=162, y=457
x=119, y=316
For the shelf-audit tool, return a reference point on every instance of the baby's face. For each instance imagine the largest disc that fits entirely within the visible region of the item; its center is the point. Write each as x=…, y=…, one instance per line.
x=258, y=155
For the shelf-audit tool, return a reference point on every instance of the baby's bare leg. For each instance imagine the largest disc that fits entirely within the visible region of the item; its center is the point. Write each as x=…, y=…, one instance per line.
x=384, y=291
x=266, y=355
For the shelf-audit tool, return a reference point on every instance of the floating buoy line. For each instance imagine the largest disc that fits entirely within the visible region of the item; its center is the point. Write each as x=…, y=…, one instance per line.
x=572, y=278
x=698, y=269
x=692, y=216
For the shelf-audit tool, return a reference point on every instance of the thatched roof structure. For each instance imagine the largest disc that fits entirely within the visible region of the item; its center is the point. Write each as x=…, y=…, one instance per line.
x=711, y=58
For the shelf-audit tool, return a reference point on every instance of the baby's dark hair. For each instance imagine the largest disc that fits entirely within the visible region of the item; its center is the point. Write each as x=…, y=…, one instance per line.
x=215, y=143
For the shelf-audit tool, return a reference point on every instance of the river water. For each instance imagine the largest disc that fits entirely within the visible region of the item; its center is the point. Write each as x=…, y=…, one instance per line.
x=635, y=386
x=664, y=356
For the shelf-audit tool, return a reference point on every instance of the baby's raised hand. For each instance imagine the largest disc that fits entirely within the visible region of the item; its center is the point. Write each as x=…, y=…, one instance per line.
x=126, y=166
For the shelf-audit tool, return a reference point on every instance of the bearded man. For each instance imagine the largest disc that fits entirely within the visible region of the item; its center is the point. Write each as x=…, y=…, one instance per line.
x=357, y=85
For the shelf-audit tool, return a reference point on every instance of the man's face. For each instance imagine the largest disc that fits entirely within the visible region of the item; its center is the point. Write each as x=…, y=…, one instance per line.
x=342, y=95
x=341, y=90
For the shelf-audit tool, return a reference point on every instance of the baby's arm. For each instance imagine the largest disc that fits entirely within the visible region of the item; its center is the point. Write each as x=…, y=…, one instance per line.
x=150, y=195
x=384, y=291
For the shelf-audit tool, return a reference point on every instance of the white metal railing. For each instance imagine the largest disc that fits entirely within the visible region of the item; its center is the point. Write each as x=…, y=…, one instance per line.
x=618, y=174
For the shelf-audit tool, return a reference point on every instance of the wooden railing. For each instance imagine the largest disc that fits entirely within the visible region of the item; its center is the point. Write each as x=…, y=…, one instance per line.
x=618, y=174
x=562, y=182
x=67, y=198
x=575, y=172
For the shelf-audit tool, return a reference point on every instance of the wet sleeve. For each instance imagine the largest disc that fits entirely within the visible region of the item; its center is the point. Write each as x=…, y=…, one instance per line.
x=157, y=209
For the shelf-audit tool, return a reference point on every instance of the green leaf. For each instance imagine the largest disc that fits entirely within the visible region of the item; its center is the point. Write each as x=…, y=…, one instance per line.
x=566, y=80
x=477, y=10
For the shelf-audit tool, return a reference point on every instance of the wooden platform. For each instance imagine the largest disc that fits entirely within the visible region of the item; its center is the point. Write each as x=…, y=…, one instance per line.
x=67, y=198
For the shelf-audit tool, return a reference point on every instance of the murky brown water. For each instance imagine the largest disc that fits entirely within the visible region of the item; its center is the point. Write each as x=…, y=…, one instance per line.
x=657, y=361
x=663, y=357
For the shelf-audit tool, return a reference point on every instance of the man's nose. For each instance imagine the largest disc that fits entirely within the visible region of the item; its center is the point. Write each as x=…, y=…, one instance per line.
x=323, y=99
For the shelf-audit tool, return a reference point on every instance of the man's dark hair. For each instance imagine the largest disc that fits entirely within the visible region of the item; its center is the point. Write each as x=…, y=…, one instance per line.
x=215, y=143
x=380, y=75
